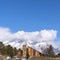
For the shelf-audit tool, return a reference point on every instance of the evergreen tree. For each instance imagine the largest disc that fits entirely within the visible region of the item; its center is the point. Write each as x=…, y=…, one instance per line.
x=58, y=54
x=14, y=51
x=9, y=50
x=3, y=51
x=50, y=51
x=1, y=46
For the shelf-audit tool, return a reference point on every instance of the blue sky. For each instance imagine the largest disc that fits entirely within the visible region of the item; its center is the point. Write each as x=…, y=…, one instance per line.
x=30, y=15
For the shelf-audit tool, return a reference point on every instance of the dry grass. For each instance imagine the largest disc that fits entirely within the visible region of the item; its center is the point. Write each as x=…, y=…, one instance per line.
x=35, y=58
x=43, y=58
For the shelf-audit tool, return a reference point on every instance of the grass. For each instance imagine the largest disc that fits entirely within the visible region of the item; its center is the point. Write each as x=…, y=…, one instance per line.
x=43, y=58
x=37, y=58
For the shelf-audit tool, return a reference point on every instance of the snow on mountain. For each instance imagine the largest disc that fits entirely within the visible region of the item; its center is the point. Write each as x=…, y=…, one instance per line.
x=40, y=46
x=56, y=50
x=18, y=44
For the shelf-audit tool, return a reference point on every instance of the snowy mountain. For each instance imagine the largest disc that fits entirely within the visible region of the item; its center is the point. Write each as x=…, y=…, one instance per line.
x=39, y=46
x=56, y=50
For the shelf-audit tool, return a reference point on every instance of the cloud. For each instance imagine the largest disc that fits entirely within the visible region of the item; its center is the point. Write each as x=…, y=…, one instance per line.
x=43, y=35
x=37, y=35
x=5, y=34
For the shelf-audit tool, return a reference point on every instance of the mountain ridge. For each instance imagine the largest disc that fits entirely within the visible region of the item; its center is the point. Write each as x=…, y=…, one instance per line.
x=39, y=46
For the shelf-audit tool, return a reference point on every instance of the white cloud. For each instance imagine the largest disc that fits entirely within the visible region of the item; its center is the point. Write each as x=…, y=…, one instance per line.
x=37, y=35
x=5, y=34
x=43, y=35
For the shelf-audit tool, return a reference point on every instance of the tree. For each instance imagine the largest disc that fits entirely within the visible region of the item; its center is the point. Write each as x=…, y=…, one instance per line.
x=14, y=51
x=3, y=50
x=50, y=51
x=58, y=54
x=1, y=46
x=9, y=50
